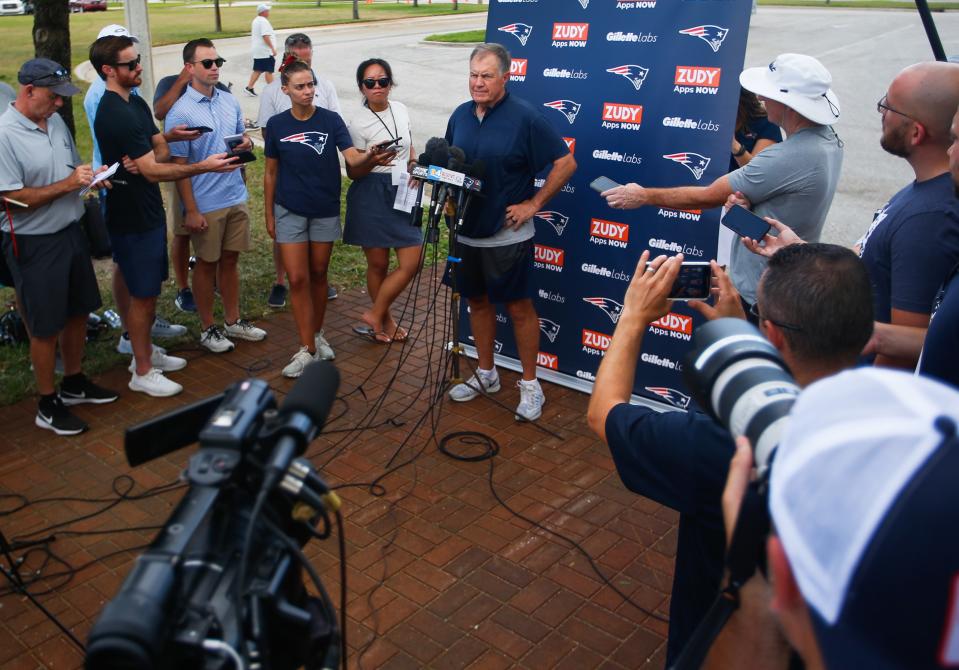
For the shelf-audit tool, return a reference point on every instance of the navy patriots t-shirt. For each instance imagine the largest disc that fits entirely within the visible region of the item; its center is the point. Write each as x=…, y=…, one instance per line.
x=308, y=177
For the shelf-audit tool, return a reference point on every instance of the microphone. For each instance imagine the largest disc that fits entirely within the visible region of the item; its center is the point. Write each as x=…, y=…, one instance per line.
x=457, y=159
x=476, y=172
x=303, y=413
x=416, y=214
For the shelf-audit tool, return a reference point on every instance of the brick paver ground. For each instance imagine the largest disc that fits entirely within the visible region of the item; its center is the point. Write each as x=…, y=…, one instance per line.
x=440, y=574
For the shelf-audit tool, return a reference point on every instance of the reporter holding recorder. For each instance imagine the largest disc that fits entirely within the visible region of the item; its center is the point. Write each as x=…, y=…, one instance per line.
x=371, y=220
x=301, y=202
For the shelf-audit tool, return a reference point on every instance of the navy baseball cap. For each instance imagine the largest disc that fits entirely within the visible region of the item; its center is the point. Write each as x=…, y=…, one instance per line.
x=48, y=74
x=864, y=495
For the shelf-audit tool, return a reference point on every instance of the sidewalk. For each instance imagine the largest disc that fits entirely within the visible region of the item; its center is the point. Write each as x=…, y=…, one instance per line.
x=440, y=575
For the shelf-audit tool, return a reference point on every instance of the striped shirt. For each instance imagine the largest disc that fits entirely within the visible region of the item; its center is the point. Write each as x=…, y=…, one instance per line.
x=213, y=190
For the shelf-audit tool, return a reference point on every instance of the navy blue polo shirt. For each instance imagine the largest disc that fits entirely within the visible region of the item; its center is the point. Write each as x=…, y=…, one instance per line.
x=516, y=142
x=680, y=460
x=939, y=358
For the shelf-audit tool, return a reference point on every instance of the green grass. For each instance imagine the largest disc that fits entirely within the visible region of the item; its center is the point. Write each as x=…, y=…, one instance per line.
x=466, y=36
x=172, y=23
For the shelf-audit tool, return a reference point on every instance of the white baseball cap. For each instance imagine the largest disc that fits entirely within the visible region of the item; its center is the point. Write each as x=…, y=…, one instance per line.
x=116, y=30
x=262, y=7
x=800, y=82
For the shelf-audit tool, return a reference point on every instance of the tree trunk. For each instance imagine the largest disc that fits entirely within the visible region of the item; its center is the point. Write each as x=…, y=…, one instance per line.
x=51, y=39
x=456, y=4
x=217, y=24
x=356, y=10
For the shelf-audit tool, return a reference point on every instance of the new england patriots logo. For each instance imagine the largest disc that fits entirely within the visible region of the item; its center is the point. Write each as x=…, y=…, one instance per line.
x=567, y=108
x=672, y=396
x=520, y=31
x=635, y=73
x=612, y=308
x=550, y=329
x=497, y=345
x=584, y=3
x=697, y=164
x=711, y=35
x=311, y=138
x=557, y=220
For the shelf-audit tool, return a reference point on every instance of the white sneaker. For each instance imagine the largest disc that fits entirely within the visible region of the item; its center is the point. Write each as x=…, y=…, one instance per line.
x=155, y=384
x=531, y=401
x=160, y=361
x=163, y=328
x=298, y=363
x=487, y=381
x=214, y=340
x=124, y=346
x=324, y=352
x=244, y=330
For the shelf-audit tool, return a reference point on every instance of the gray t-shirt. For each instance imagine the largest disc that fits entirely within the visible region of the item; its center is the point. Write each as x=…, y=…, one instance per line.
x=793, y=181
x=31, y=157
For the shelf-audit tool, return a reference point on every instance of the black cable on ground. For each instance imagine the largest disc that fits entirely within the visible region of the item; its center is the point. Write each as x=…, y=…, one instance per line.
x=492, y=449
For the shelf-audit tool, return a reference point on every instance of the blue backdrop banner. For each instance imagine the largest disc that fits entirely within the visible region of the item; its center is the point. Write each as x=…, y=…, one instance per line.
x=643, y=91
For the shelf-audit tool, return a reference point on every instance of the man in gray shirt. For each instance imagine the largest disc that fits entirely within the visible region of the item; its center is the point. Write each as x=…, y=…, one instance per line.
x=797, y=177
x=43, y=244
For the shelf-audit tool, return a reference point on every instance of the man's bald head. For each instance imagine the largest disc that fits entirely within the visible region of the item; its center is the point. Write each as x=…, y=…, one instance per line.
x=929, y=93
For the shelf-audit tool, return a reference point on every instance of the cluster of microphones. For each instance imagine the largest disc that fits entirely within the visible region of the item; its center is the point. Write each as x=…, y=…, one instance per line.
x=455, y=182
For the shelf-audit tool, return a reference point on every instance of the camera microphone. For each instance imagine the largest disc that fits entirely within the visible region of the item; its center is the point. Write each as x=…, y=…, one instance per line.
x=302, y=415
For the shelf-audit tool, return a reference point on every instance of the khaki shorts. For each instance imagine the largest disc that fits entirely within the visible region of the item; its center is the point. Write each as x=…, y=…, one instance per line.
x=228, y=229
x=174, y=209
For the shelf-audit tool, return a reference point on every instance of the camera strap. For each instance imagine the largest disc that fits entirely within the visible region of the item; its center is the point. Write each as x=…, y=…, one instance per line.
x=747, y=552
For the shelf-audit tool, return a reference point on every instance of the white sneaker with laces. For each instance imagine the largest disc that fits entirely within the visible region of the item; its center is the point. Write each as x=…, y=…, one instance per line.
x=487, y=380
x=163, y=328
x=324, y=352
x=244, y=330
x=155, y=384
x=161, y=361
x=531, y=401
x=298, y=363
x=214, y=340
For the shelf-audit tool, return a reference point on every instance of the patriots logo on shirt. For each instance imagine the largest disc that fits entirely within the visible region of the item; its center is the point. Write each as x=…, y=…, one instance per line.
x=311, y=138
x=672, y=396
x=696, y=163
x=520, y=31
x=635, y=73
x=557, y=220
x=711, y=35
x=567, y=108
x=612, y=308
x=550, y=329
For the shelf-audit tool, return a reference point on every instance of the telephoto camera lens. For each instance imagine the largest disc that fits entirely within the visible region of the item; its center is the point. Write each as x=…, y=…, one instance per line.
x=736, y=375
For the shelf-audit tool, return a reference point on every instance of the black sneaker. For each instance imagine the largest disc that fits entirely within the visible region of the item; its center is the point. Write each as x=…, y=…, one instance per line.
x=184, y=301
x=250, y=91
x=277, y=296
x=331, y=293
x=56, y=417
x=84, y=391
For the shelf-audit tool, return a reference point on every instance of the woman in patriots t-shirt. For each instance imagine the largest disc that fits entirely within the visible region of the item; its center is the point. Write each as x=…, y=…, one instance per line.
x=301, y=192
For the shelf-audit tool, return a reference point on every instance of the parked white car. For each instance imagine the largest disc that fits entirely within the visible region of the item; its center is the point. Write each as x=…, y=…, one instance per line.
x=12, y=7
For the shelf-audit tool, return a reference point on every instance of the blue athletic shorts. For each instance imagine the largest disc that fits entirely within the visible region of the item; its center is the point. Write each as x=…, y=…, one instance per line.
x=142, y=258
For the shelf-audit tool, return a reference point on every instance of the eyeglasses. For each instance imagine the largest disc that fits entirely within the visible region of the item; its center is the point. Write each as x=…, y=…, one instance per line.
x=207, y=63
x=130, y=65
x=882, y=108
x=383, y=82
x=754, y=310
x=54, y=77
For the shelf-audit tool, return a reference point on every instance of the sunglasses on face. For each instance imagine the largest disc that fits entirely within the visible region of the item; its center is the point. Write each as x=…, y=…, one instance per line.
x=130, y=65
x=383, y=82
x=207, y=63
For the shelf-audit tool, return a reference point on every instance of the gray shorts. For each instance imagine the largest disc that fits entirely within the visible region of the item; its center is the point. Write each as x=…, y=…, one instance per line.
x=292, y=228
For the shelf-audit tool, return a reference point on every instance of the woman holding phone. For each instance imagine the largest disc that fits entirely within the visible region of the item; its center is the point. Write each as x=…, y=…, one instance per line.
x=371, y=220
x=301, y=193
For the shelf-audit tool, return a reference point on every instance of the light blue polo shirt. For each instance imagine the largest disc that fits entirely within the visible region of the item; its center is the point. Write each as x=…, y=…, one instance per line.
x=213, y=190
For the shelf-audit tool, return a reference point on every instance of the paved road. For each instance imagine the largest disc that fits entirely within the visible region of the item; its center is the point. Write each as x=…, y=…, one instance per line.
x=863, y=49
